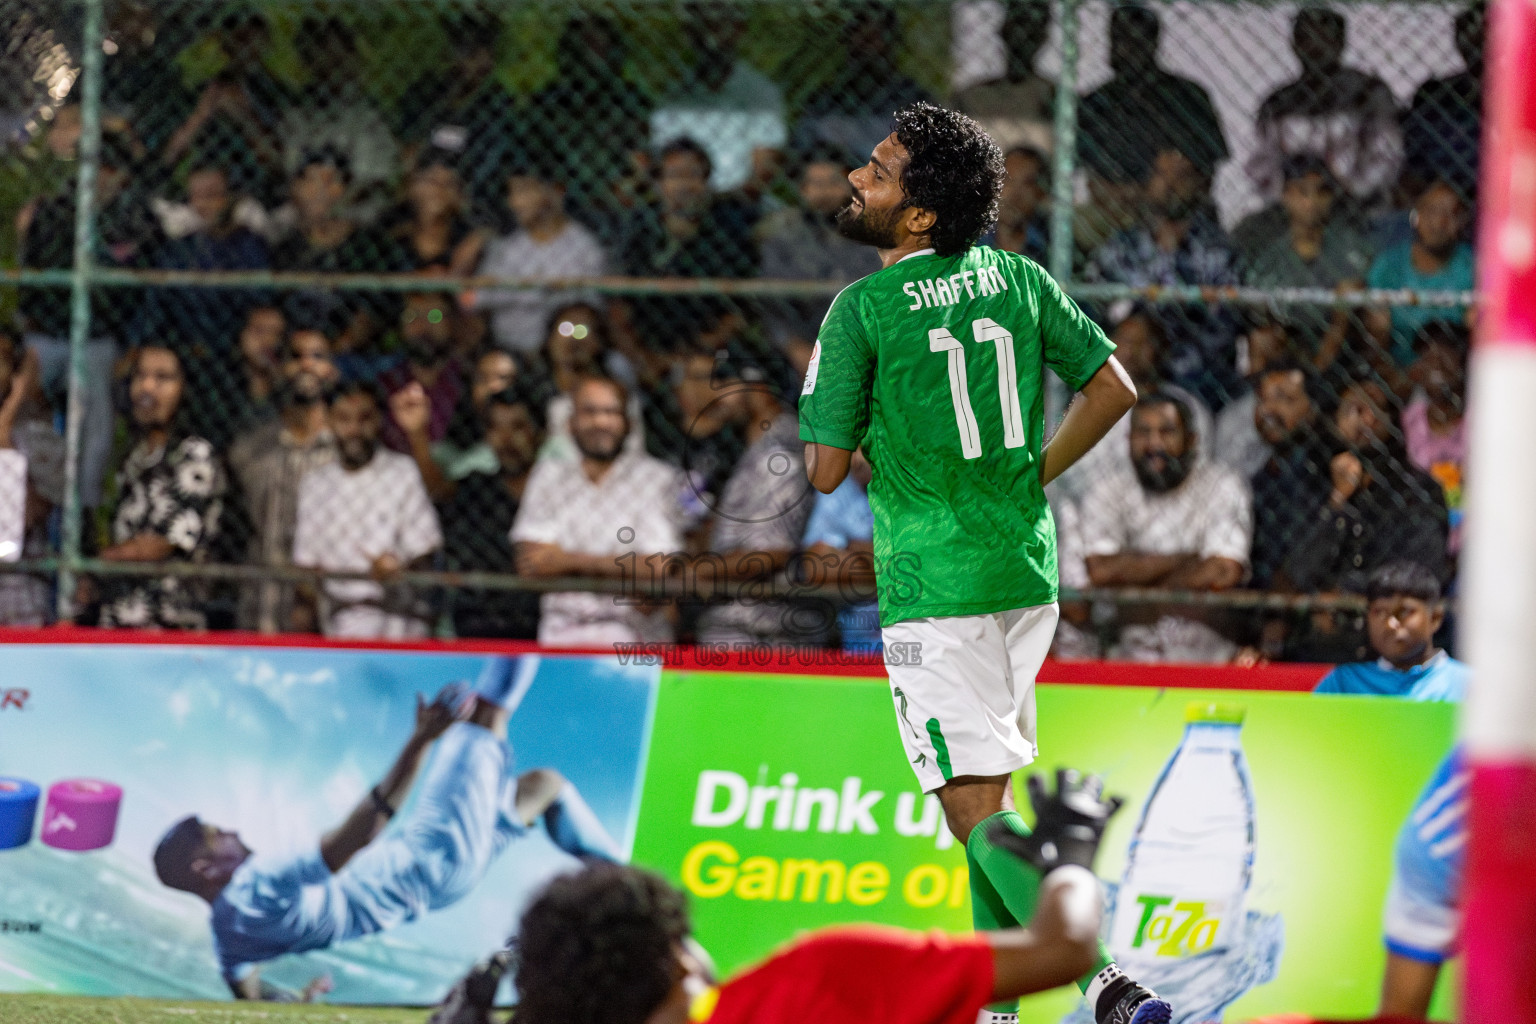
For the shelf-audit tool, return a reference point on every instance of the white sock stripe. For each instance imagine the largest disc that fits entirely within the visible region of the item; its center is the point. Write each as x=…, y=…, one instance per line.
x=1100, y=980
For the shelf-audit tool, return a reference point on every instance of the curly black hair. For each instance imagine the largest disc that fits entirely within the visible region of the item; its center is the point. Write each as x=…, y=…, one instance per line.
x=597, y=948
x=954, y=169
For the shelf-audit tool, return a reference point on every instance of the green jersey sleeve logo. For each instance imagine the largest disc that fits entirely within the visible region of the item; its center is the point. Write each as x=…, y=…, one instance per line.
x=810, y=370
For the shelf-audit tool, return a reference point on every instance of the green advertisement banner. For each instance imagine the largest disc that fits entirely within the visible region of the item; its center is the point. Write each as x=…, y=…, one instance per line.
x=784, y=803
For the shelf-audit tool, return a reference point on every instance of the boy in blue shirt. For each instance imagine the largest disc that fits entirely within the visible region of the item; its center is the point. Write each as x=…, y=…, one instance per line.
x=1405, y=612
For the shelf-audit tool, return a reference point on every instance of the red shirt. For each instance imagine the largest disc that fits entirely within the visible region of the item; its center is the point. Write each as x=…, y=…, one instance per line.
x=864, y=973
x=1297, y=1018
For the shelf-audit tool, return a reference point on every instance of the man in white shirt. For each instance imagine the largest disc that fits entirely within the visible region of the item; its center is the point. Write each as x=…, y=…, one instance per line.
x=610, y=514
x=728, y=105
x=759, y=522
x=366, y=512
x=1182, y=522
x=339, y=113
x=1141, y=345
x=546, y=244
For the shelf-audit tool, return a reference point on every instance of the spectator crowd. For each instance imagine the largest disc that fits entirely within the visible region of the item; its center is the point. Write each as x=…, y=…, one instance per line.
x=560, y=431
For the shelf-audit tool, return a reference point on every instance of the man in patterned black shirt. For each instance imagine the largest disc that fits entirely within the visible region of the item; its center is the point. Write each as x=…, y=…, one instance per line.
x=170, y=495
x=480, y=514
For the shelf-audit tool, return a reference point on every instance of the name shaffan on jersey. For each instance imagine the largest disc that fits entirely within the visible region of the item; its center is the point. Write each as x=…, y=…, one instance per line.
x=935, y=366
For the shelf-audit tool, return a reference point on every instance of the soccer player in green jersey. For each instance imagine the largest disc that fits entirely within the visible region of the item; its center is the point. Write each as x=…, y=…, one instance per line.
x=935, y=365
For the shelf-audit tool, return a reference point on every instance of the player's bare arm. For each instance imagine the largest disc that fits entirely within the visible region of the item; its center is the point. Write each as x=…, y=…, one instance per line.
x=1185, y=570
x=1408, y=987
x=373, y=812
x=1108, y=395
x=750, y=564
x=826, y=466
x=853, y=566
x=1213, y=573
x=547, y=561
x=1060, y=944
x=1135, y=568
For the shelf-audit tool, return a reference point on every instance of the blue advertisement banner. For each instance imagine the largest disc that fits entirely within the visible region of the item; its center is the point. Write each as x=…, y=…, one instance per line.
x=103, y=750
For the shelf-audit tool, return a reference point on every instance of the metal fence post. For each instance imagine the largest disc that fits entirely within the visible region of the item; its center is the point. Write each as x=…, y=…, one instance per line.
x=1063, y=167
x=1064, y=155
x=80, y=297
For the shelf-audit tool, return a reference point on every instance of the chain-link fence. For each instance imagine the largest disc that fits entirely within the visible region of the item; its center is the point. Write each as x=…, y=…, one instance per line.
x=312, y=351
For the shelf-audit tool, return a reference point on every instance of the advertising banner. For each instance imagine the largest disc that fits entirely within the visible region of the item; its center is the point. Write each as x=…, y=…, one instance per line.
x=103, y=749
x=1266, y=828
x=1245, y=876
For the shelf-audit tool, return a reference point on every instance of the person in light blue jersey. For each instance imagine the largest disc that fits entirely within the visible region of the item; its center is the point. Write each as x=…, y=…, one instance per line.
x=840, y=535
x=1421, y=913
x=360, y=878
x=1404, y=614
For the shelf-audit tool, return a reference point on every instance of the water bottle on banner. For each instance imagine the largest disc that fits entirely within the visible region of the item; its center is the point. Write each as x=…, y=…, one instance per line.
x=1191, y=860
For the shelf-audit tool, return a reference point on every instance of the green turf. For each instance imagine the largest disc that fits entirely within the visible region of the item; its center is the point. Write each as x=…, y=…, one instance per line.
x=62, y=1010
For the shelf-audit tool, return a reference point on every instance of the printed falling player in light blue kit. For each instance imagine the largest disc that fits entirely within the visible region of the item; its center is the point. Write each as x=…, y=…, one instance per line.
x=360, y=878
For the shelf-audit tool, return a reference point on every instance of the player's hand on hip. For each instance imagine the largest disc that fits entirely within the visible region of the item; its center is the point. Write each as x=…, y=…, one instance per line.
x=1069, y=823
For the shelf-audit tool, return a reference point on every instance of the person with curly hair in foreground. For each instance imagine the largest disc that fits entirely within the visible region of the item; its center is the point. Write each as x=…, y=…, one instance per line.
x=612, y=945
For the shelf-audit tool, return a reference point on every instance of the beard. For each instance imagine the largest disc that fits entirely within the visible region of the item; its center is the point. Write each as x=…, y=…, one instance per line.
x=147, y=416
x=866, y=227
x=1443, y=251
x=1162, y=479
x=425, y=352
x=150, y=419
x=1175, y=207
x=357, y=452
x=514, y=463
x=1273, y=431
x=302, y=389
x=599, y=446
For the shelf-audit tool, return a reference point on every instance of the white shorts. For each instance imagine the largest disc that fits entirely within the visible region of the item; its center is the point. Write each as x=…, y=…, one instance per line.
x=967, y=707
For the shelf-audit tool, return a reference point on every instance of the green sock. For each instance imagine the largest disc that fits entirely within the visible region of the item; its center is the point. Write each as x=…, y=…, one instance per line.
x=1016, y=884
x=988, y=914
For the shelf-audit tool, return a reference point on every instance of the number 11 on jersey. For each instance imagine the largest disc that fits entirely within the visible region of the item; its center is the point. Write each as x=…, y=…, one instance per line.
x=982, y=330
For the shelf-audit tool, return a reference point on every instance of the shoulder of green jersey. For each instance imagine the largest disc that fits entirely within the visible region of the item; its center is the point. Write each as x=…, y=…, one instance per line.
x=852, y=286
x=1019, y=263
x=813, y=368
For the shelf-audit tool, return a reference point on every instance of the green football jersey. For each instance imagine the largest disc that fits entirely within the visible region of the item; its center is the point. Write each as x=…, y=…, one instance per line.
x=935, y=366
